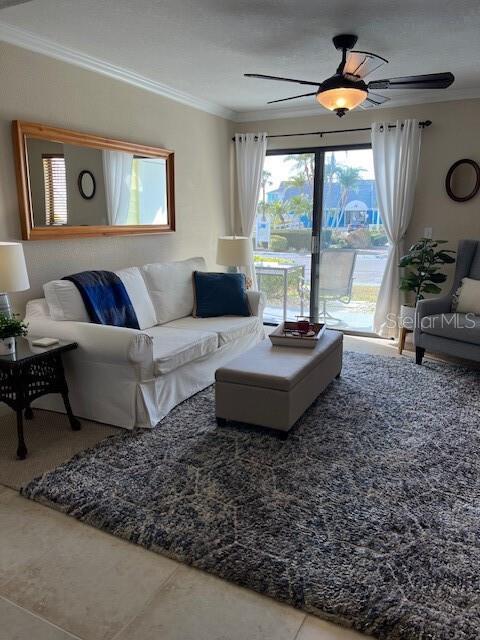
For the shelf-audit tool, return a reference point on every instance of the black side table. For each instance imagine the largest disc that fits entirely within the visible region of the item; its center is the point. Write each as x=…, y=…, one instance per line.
x=30, y=373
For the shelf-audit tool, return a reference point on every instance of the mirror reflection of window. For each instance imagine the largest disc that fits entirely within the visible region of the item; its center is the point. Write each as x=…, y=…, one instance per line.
x=55, y=186
x=148, y=192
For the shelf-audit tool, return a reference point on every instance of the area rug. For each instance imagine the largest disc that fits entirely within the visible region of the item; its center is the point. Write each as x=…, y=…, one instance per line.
x=368, y=515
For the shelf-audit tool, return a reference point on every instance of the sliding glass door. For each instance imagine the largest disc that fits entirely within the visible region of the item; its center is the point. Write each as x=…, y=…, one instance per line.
x=320, y=247
x=283, y=234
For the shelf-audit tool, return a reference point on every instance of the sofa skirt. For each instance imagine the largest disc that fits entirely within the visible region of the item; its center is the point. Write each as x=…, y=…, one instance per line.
x=121, y=396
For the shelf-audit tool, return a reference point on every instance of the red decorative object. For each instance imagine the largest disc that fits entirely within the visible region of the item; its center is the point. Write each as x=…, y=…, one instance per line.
x=303, y=326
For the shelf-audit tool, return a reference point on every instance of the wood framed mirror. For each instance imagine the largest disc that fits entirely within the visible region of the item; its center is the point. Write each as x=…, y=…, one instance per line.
x=72, y=184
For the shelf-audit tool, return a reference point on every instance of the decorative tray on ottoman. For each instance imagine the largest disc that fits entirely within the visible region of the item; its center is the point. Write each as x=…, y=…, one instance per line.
x=288, y=335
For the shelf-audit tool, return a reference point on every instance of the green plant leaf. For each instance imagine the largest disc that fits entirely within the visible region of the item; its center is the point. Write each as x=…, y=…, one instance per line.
x=431, y=288
x=437, y=277
x=405, y=261
x=445, y=257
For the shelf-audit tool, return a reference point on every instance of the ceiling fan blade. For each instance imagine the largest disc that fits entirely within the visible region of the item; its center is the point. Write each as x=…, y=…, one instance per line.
x=377, y=98
x=264, y=77
x=373, y=100
x=367, y=104
x=360, y=64
x=302, y=95
x=429, y=81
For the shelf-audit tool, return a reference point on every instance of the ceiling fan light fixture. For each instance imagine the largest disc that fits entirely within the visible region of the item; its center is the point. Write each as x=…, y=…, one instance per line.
x=341, y=99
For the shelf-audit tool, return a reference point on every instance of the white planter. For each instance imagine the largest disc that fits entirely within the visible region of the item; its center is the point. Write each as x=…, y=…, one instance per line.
x=407, y=317
x=7, y=346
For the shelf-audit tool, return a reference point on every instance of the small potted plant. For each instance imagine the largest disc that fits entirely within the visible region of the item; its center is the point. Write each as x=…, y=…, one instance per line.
x=423, y=264
x=10, y=328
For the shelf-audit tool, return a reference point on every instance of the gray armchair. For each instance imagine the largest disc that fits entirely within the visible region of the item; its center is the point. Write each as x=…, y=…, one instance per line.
x=440, y=330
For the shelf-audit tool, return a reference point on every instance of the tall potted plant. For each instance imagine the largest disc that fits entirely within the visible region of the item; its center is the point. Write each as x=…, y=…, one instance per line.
x=10, y=328
x=423, y=264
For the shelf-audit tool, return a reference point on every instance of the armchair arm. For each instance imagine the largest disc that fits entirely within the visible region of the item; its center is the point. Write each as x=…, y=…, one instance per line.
x=97, y=342
x=431, y=307
x=256, y=302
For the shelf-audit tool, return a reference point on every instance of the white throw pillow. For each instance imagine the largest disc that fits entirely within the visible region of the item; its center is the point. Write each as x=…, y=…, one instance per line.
x=469, y=297
x=171, y=287
x=64, y=301
x=139, y=297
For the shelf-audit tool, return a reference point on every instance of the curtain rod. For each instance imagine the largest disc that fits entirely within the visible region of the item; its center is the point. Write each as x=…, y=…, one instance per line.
x=422, y=125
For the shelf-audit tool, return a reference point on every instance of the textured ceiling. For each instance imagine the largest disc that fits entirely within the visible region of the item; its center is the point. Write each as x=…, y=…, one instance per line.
x=11, y=3
x=203, y=47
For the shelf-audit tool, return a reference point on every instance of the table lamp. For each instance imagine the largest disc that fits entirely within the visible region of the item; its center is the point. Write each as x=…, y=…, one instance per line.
x=234, y=252
x=13, y=273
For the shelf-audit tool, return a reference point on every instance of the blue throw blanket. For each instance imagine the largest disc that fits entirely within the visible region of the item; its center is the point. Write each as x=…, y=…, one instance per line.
x=105, y=298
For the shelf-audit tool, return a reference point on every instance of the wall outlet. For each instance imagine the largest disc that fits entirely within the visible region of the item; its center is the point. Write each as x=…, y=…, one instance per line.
x=428, y=232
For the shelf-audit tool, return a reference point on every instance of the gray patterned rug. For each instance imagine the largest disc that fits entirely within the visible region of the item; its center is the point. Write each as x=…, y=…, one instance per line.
x=368, y=515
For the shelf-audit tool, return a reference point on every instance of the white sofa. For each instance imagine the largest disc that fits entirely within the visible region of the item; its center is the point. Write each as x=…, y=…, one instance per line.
x=133, y=378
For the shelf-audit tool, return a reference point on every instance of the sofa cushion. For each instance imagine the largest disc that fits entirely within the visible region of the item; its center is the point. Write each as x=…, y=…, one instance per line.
x=220, y=294
x=172, y=348
x=64, y=301
x=137, y=292
x=228, y=328
x=171, y=287
x=464, y=327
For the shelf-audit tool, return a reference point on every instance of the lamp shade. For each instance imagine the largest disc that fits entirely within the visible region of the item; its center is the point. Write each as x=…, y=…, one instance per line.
x=234, y=251
x=13, y=270
x=342, y=98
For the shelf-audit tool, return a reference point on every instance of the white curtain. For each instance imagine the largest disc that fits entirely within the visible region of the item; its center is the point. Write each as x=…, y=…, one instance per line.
x=396, y=152
x=117, y=171
x=250, y=150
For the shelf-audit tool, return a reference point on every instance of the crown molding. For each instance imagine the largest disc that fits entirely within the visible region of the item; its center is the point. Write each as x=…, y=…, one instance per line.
x=314, y=110
x=32, y=42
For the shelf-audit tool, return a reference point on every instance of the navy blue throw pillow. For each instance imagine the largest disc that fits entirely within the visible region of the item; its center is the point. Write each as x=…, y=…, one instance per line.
x=220, y=294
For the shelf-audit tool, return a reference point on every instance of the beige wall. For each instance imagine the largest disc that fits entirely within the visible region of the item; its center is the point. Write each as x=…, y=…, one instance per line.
x=454, y=134
x=40, y=89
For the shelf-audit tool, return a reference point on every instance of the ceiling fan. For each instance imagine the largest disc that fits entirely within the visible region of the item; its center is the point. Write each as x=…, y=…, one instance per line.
x=347, y=89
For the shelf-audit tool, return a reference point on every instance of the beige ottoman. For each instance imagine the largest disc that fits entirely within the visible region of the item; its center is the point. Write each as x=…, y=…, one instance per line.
x=273, y=386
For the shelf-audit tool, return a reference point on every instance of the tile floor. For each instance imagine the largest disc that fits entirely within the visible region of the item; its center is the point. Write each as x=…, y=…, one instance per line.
x=61, y=579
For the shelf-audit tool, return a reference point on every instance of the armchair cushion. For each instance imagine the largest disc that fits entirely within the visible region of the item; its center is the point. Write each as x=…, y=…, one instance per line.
x=464, y=327
x=469, y=296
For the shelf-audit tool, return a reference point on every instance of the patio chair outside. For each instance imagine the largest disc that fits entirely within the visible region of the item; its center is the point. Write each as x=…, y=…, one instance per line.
x=336, y=279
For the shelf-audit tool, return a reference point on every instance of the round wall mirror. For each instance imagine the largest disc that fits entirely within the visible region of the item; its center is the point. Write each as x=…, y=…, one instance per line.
x=86, y=184
x=463, y=180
